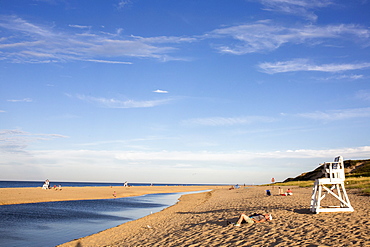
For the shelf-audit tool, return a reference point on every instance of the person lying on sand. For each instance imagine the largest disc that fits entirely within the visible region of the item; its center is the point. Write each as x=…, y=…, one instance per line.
x=254, y=218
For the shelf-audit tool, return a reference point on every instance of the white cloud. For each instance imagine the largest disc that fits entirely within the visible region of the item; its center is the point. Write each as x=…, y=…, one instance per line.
x=363, y=95
x=165, y=39
x=122, y=3
x=162, y=166
x=160, y=91
x=106, y=61
x=338, y=114
x=344, y=77
x=265, y=36
x=306, y=65
x=80, y=26
x=16, y=141
x=31, y=43
x=17, y=24
x=20, y=100
x=296, y=7
x=222, y=121
x=45, y=44
x=237, y=157
x=114, y=103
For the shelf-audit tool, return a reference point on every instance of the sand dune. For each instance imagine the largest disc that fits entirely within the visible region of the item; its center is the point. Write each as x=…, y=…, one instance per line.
x=200, y=220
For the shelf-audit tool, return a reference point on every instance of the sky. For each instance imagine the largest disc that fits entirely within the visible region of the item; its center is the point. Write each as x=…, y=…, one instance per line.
x=185, y=91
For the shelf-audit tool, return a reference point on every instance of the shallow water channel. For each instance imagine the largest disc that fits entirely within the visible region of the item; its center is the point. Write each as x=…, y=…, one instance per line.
x=53, y=223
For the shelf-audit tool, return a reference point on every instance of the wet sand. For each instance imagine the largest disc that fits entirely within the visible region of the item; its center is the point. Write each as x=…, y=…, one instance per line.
x=201, y=220
x=32, y=195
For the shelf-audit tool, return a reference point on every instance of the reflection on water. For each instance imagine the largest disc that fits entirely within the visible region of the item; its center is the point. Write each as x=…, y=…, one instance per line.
x=53, y=223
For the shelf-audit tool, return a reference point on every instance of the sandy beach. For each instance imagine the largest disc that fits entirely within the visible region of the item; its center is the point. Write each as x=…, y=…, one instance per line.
x=201, y=220
x=33, y=195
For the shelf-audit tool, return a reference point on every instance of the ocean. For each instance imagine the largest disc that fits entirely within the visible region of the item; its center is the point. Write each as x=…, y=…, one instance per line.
x=20, y=184
x=53, y=223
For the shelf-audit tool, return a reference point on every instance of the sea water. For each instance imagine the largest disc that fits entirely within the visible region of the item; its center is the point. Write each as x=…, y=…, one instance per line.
x=53, y=223
x=34, y=184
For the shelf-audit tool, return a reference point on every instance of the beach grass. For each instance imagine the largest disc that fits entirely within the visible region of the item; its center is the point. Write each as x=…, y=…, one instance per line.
x=301, y=184
x=362, y=183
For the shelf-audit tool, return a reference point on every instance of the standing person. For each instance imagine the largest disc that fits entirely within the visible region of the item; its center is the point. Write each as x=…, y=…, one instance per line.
x=47, y=182
x=280, y=191
x=45, y=186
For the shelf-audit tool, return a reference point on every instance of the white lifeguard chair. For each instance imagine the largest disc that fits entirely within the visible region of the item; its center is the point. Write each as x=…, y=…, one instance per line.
x=334, y=178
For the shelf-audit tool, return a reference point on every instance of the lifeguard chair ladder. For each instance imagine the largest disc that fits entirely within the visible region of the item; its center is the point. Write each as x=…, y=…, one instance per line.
x=334, y=177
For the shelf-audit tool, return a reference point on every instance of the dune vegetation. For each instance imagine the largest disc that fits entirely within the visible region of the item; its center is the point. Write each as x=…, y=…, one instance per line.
x=362, y=183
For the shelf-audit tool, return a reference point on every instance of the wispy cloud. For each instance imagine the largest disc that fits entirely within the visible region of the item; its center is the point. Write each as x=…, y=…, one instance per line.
x=166, y=39
x=302, y=8
x=31, y=43
x=222, y=121
x=160, y=91
x=265, y=36
x=87, y=164
x=363, y=95
x=26, y=42
x=116, y=103
x=20, y=100
x=198, y=159
x=80, y=26
x=344, y=77
x=306, y=65
x=16, y=141
x=122, y=3
x=106, y=61
x=338, y=114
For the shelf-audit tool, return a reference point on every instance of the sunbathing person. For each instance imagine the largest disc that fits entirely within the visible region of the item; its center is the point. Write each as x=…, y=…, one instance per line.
x=289, y=192
x=254, y=218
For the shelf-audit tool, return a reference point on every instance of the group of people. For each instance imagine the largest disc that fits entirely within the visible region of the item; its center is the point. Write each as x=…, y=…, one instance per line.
x=289, y=192
x=46, y=185
x=257, y=218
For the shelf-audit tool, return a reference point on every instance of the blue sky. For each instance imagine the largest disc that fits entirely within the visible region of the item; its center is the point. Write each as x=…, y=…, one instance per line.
x=181, y=91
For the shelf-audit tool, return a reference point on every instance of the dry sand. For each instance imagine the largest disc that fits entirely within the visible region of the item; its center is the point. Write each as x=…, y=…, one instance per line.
x=200, y=220
x=32, y=195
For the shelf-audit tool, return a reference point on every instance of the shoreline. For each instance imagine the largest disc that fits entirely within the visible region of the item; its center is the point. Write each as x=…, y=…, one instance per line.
x=9, y=196
x=139, y=226
x=201, y=220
